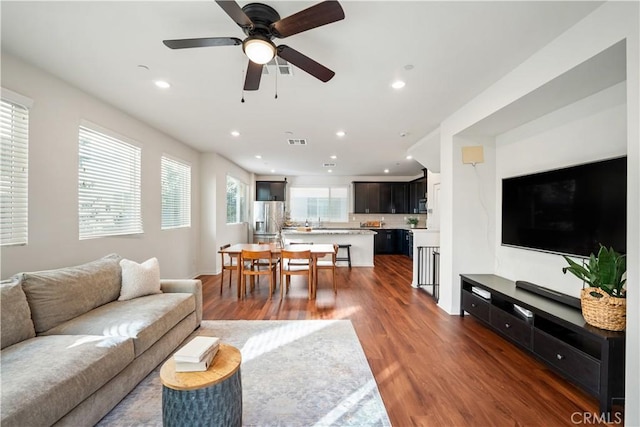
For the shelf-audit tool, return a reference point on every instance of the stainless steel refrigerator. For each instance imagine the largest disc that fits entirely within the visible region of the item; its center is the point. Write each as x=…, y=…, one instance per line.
x=266, y=218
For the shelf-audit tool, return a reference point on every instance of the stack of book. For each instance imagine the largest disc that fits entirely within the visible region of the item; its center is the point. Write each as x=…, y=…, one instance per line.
x=197, y=354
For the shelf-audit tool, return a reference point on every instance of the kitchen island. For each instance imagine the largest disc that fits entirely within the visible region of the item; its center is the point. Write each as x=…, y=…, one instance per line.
x=361, y=241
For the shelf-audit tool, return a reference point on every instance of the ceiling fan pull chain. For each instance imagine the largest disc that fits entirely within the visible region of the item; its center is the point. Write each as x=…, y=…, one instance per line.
x=276, y=62
x=242, y=98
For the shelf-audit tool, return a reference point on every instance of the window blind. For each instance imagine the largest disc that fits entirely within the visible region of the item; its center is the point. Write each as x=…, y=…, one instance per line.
x=329, y=204
x=108, y=186
x=14, y=155
x=176, y=194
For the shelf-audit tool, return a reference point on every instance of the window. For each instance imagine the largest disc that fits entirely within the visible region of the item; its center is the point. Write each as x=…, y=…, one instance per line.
x=14, y=155
x=108, y=186
x=236, y=200
x=176, y=194
x=330, y=204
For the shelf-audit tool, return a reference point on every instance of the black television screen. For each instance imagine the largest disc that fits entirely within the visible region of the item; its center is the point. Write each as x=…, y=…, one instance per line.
x=568, y=211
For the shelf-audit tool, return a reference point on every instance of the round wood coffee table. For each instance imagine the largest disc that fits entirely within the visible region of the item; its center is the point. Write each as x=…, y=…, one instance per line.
x=209, y=398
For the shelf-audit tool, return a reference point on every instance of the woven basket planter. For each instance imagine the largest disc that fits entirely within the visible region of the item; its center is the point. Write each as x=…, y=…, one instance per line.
x=608, y=312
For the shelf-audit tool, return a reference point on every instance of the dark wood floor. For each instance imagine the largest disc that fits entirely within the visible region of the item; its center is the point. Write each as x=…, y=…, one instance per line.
x=432, y=369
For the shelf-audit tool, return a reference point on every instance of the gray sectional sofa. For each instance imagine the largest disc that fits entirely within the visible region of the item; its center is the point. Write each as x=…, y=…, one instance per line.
x=71, y=350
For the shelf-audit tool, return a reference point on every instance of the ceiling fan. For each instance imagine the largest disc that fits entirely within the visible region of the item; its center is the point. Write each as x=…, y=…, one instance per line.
x=261, y=24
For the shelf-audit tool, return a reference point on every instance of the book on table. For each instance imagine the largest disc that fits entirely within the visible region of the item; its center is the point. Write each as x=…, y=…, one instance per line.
x=197, y=354
x=196, y=366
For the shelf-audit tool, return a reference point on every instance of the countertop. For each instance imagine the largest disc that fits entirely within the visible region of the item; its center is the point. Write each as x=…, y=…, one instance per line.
x=330, y=231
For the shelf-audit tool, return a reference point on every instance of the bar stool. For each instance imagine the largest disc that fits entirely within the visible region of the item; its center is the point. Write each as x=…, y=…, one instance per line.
x=348, y=257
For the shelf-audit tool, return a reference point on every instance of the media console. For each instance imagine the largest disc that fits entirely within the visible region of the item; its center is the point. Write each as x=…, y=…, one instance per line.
x=553, y=331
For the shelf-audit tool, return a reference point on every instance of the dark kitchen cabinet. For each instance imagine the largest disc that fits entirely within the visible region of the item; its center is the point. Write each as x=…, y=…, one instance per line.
x=366, y=197
x=271, y=191
x=393, y=197
x=417, y=190
x=387, y=241
x=406, y=243
x=380, y=197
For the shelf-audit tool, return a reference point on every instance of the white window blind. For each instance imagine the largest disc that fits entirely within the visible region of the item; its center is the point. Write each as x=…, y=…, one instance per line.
x=108, y=186
x=176, y=194
x=14, y=155
x=327, y=204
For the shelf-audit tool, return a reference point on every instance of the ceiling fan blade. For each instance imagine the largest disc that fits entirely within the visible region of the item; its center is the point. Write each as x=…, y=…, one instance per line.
x=315, y=16
x=235, y=12
x=254, y=73
x=305, y=63
x=204, y=42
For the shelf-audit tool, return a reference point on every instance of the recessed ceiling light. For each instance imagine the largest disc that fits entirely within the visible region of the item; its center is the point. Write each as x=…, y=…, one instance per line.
x=398, y=84
x=386, y=171
x=330, y=170
x=273, y=171
x=334, y=157
x=341, y=133
x=258, y=156
x=235, y=133
x=409, y=157
x=162, y=84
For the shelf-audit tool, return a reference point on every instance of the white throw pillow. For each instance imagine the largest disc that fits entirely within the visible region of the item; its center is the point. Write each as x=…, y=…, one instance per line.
x=139, y=279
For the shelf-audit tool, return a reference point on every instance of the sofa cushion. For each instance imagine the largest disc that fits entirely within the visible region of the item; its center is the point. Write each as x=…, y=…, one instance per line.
x=145, y=319
x=15, y=319
x=56, y=296
x=139, y=279
x=43, y=378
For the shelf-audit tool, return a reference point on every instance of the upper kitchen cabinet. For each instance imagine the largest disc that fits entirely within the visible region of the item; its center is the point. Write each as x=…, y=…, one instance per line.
x=393, y=197
x=380, y=197
x=366, y=197
x=271, y=191
x=417, y=191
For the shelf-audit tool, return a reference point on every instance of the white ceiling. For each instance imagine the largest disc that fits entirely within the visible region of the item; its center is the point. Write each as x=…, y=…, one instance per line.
x=456, y=50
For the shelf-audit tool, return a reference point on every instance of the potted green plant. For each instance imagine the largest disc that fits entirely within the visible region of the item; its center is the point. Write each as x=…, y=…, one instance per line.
x=604, y=303
x=412, y=221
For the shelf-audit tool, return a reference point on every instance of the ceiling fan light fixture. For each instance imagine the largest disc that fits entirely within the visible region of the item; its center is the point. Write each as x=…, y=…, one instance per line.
x=259, y=49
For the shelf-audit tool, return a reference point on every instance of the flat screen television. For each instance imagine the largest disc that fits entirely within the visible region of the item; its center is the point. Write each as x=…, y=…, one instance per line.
x=567, y=211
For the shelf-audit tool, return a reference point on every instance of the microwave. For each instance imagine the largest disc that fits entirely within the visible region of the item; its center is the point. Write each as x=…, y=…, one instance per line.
x=422, y=206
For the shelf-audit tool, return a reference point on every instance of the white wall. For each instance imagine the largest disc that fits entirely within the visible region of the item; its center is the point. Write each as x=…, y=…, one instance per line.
x=53, y=182
x=607, y=25
x=589, y=130
x=215, y=231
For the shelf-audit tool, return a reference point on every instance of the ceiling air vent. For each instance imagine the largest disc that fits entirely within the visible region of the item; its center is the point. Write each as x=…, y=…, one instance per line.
x=301, y=141
x=329, y=165
x=278, y=65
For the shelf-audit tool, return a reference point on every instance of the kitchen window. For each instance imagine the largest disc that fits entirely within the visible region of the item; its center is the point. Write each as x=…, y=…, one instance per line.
x=236, y=200
x=326, y=204
x=176, y=193
x=14, y=168
x=108, y=185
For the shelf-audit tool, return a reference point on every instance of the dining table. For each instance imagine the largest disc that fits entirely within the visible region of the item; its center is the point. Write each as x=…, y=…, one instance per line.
x=317, y=250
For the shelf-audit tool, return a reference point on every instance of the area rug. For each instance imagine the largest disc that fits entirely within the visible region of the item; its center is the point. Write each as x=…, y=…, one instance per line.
x=294, y=373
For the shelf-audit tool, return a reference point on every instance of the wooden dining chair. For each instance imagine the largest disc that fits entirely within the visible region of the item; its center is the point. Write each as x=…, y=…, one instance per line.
x=250, y=266
x=300, y=261
x=295, y=268
x=229, y=263
x=329, y=263
x=275, y=259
